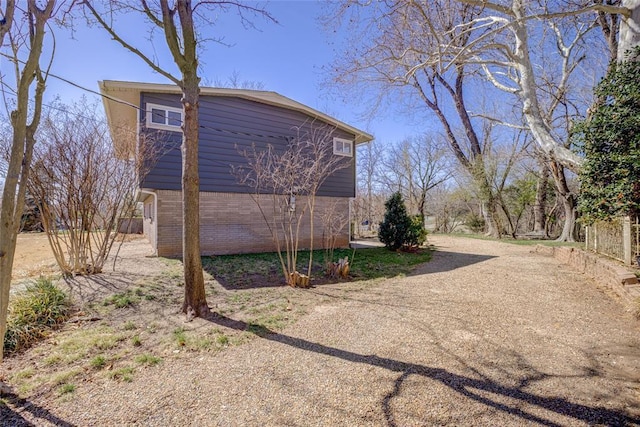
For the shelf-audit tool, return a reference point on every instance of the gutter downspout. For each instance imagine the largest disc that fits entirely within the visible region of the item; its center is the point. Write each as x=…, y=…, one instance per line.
x=154, y=218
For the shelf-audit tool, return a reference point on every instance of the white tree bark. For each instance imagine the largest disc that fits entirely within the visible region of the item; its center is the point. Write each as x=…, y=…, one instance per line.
x=529, y=97
x=629, y=28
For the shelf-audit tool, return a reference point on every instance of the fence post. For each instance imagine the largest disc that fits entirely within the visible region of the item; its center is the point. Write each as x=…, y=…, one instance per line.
x=626, y=239
x=586, y=237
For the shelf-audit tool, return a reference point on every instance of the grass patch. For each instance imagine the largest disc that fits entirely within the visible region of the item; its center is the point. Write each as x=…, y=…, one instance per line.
x=222, y=339
x=130, y=326
x=33, y=314
x=25, y=374
x=180, y=336
x=98, y=362
x=64, y=377
x=123, y=374
x=147, y=359
x=66, y=389
x=122, y=300
x=523, y=242
x=135, y=340
x=260, y=270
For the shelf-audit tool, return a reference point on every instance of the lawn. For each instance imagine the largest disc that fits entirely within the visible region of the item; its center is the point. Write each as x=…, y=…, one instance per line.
x=263, y=270
x=128, y=321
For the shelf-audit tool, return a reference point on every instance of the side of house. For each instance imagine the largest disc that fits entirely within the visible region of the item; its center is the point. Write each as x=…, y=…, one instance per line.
x=231, y=122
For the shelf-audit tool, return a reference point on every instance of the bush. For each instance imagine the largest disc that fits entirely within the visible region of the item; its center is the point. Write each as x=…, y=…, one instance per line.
x=399, y=230
x=416, y=235
x=610, y=176
x=33, y=314
x=396, y=224
x=475, y=223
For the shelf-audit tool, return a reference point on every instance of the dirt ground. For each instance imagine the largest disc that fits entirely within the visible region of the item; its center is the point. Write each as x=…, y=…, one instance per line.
x=33, y=256
x=485, y=334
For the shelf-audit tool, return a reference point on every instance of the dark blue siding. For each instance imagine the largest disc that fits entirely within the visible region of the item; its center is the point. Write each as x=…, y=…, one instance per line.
x=228, y=126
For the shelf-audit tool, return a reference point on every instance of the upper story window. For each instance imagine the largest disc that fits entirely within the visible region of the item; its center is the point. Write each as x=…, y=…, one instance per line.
x=343, y=147
x=163, y=117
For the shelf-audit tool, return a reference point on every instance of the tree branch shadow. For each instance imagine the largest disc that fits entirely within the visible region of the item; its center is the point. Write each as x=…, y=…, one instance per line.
x=10, y=413
x=463, y=385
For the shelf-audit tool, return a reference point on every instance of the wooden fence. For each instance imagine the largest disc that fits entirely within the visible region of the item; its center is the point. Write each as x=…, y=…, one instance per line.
x=617, y=239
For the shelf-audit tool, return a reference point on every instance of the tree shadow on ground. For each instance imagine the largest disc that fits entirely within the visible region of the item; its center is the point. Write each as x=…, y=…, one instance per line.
x=250, y=271
x=465, y=386
x=454, y=261
x=95, y=287
x=10, y=413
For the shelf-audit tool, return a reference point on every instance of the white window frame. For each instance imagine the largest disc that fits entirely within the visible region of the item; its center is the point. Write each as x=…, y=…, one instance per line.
x=339, y=145
x=151, y=125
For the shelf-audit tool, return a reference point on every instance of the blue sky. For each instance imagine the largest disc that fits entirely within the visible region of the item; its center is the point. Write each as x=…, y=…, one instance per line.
x=287, y=57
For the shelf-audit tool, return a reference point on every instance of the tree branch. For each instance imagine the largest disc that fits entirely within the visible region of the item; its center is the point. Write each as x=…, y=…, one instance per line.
x=129, y=47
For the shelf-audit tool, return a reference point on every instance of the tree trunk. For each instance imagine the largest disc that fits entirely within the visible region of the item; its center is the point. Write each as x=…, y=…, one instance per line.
x=490, y=214
x=629, y=28
x=570, y=215
x=530, y=107
x=23, y=140
x=195, y=302
x=540, y=206
x=568, y=201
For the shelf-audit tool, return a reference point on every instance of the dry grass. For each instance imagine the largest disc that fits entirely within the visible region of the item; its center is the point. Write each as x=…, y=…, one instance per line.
x=131, y=321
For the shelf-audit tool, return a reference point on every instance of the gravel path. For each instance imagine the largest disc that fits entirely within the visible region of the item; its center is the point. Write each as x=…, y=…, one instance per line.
x=485, y=334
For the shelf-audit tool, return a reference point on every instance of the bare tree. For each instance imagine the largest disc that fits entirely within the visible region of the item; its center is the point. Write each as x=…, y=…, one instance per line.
x=235, y=81
x=414, y=167
x=392, y=50
x=285, y=184
x=369, y=161
x=500, y=42
x=82, y=185
x=26, y=35
x=179, y=22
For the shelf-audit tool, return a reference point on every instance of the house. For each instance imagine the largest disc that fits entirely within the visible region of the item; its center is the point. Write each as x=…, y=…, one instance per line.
x=230, y=220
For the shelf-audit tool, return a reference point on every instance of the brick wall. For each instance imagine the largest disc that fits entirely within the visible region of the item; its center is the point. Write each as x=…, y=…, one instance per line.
x=603, y=270
x=232, y=223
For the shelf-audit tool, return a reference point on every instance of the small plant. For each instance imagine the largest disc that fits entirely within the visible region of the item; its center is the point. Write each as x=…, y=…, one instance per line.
x=66, y=389
x=98, y=362
x=416, y=235
x=122, y=300
x=222, y=339
x=147, y=359
x=135, y=340
x=180, y=336
x=130, y=326
x=123, y=374
x=33, y=314
x=475, y=222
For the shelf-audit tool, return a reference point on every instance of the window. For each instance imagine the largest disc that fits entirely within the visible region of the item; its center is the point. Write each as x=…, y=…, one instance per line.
x=343, y=147
x=163, y=117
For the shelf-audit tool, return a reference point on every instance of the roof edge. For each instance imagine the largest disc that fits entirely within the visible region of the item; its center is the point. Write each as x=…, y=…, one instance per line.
x=110, y=88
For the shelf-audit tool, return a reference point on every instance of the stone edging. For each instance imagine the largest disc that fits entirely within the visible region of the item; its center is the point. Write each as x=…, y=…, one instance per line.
x=605, y=271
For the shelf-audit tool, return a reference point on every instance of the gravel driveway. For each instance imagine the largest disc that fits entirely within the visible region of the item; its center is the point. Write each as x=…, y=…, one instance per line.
x=485, y=334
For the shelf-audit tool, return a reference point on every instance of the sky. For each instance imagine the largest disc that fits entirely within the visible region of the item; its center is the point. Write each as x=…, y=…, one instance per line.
x=287, y=57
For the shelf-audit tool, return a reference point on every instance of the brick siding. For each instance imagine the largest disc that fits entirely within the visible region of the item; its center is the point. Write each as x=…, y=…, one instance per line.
x=232, y=223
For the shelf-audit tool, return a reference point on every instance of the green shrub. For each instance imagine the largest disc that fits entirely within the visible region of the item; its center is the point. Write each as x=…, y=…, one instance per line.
x=475, y=223
x=398, y=230
x=33, y=314
x=610, y=141
x=416, y=235
x=393, y=229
